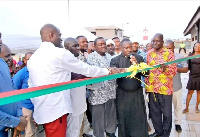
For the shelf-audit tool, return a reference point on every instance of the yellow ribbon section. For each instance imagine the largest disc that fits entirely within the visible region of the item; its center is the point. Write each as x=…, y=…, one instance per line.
x=135, y=68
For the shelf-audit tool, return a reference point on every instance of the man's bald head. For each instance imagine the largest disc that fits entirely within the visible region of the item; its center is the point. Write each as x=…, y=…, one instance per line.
x=27, y=57
x=69, y=41
x=6, y=54
x=50, y=33
x=72, y=45
x=157, y=41
x=159, y=35
x=169, y=44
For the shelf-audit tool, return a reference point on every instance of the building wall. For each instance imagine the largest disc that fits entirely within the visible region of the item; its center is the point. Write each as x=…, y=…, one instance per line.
x=199, y=31
x=193, y=35
x=108, y=34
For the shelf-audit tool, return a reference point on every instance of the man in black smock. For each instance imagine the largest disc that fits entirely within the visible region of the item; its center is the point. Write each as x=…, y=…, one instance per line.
x=131, y=112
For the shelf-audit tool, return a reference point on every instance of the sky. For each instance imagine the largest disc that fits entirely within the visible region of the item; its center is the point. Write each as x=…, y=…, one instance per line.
x=167, y=17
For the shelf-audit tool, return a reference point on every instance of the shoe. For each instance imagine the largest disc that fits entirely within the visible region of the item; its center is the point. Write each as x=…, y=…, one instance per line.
x=154, y=135
x=185, y=111
x=178, y=128
x=110, y=134
x=87, y=135
x=196, y=110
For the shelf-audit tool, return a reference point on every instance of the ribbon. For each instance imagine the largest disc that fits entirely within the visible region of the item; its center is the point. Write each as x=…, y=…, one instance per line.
x=18, y=95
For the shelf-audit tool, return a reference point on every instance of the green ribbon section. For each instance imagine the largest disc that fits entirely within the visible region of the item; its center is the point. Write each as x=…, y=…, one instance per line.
x=19, y=97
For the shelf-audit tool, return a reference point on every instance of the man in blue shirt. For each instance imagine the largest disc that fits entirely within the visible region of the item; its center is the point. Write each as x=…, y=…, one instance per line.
x=20, y=80
x=9, y=114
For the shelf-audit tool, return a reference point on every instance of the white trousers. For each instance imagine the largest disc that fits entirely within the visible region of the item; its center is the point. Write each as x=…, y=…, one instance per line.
x=74, y=125
x=177, y=101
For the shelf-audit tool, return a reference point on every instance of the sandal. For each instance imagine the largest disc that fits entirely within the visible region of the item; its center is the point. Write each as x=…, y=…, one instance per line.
x=185, y=111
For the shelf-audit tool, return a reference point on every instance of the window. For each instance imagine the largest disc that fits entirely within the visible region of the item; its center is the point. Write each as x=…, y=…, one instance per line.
x=193, y=39
x=94, y=33
x=115, y=32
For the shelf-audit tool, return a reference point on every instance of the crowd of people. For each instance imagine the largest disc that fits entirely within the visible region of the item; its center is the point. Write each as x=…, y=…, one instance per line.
x=105, y=106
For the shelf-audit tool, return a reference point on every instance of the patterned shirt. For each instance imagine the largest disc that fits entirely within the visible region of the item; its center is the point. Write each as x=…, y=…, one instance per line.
x=159, y=81
x=107, y=89
x=82, y=56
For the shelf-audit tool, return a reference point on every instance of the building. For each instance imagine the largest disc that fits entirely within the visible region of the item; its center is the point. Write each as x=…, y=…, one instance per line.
x=108, y=32
x=193, y=27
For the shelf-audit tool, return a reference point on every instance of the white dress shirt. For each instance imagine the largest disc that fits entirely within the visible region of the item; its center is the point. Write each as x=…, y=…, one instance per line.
x=50, y=65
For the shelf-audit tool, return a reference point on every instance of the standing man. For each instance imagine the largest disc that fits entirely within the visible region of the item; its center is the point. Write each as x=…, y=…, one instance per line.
x=78, y=95
x=160, y=87
x=20, y=80
x=10, y=114
x=103, y=96
x=182, y=46
x=83, y=54
x=148, y=47
x=137, y=51
x=83, y=45
x=118, y=49
x=144, y=55
x=131, y=111
x=7, y=56
x=111, y=48
x=52, y=64
x=182, y=67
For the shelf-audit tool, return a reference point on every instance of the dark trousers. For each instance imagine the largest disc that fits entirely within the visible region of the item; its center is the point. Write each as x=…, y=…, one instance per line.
x=89, y=112
x=161, y=113
x=104, y=118
x=181, y=49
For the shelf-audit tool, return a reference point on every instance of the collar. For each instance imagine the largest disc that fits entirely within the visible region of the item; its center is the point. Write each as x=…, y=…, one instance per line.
x=106, y=54
x=162, y=50
x=124, y=56
x=49, y=44
x=118, y=54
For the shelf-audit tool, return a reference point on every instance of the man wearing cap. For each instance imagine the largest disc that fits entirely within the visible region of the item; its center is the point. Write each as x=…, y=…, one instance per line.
x=111, y=48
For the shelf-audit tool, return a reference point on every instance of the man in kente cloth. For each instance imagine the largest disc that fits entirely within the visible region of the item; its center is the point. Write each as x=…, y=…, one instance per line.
x=131, y=111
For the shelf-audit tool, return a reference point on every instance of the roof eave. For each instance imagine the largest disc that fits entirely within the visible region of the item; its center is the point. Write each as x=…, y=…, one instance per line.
x=192, y=22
